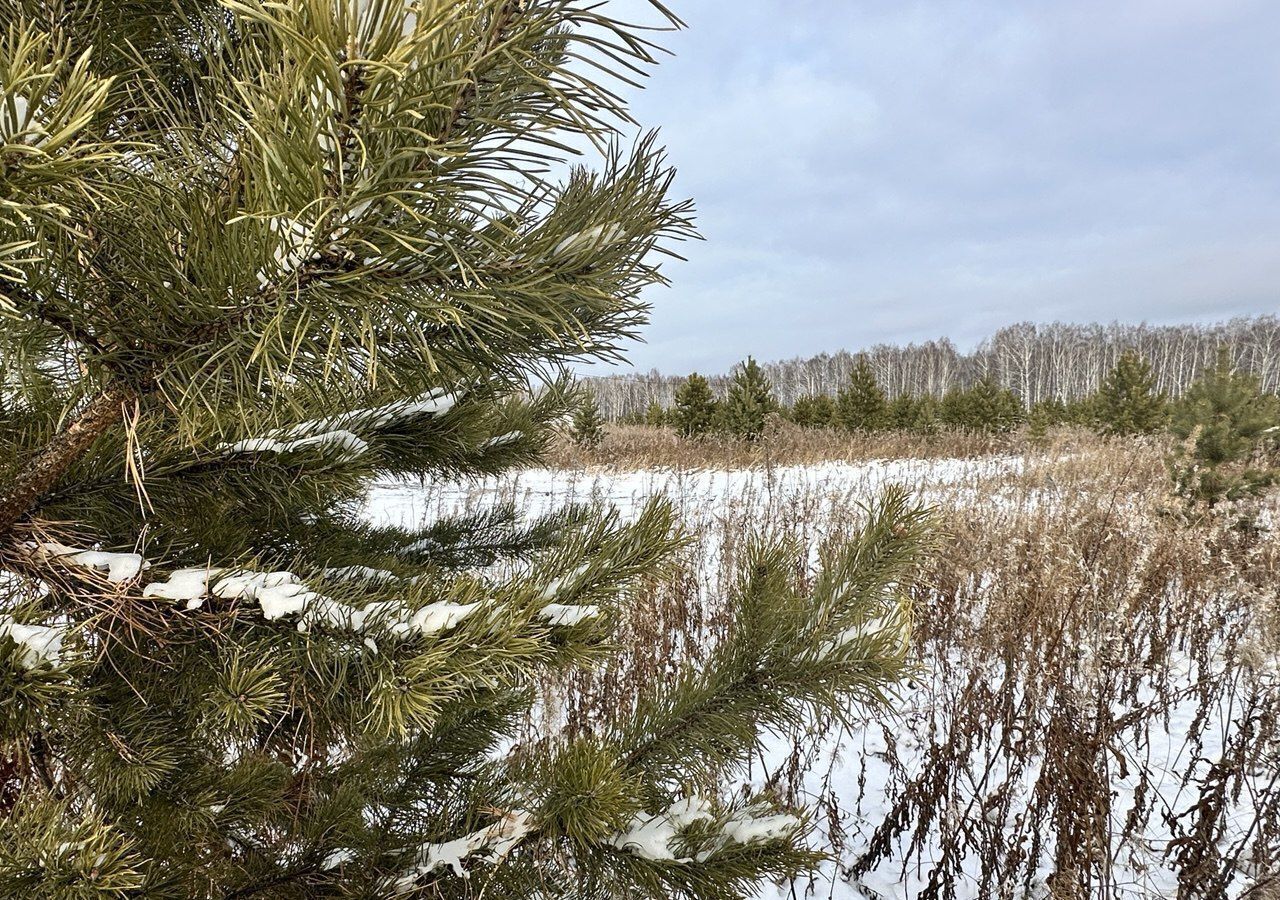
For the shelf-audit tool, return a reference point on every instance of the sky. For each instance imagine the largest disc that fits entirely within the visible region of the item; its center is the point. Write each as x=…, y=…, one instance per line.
x=891, y=171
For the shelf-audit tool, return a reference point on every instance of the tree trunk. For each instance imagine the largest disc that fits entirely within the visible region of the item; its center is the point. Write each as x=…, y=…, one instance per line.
x=42, y=472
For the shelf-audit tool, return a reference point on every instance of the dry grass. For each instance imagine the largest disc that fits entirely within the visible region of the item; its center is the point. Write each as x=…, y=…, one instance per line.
x=1097, y=706
x=640, y=446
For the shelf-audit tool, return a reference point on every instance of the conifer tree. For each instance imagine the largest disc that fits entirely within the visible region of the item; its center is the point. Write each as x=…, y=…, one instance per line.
x=1127, y=402
x=861, y=405
x=1228, y=428
x=1045, y=415
x=694, y=413
x=928, y=415
x=749, y=401
x=588, y=424
x=904, y=411
x=255, y=255
x=654, y=415
x=953, y=410
x=814, y=411
x=984, y=407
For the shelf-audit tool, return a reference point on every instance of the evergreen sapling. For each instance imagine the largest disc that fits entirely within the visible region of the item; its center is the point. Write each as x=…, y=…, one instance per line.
x=694, y=414
x=749, y=401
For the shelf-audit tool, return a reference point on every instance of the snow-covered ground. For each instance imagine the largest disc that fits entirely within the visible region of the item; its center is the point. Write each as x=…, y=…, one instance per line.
x=698, y=492
x=863, y=772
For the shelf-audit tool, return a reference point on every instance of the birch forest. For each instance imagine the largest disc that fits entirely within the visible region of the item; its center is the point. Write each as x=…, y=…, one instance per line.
x=1037, y=361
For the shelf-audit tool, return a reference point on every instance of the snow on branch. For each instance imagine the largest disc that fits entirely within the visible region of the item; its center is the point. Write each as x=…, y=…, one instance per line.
x=283, y=594
x=656, y=837
x=509, y=438
x=597, y=237
x=117, y=566
x=493, y=843
x=338, y=433
x=37, y=644
x=18, y=121
x=567, y=615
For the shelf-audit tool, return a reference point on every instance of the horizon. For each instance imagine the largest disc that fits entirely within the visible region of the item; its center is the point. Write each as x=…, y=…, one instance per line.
x=608, y=370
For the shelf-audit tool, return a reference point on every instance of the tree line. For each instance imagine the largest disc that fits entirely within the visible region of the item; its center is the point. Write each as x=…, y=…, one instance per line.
x=1053, y=362
x=1225, y=425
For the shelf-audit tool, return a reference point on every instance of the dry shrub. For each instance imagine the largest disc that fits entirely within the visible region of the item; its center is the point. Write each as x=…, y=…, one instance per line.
x=1097, y=707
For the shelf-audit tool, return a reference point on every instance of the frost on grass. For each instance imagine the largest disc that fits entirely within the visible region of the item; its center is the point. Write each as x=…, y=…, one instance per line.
x=117, y=566
x=37, y=644
x=492, y=843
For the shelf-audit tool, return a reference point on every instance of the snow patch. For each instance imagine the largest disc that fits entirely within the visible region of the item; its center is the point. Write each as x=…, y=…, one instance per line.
x=567, y=615
x=191, y=585
x=652, y=836
x=493, y=842
x=118, y=566
x=37, y=644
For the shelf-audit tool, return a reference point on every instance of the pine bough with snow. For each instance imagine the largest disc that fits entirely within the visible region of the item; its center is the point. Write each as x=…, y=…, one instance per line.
x=253, y=256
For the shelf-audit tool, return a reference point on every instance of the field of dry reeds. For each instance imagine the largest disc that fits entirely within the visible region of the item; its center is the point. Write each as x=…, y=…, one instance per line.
x=1095, y=707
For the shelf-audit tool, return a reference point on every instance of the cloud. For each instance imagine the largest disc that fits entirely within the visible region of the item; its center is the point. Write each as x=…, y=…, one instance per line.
x=883, y=171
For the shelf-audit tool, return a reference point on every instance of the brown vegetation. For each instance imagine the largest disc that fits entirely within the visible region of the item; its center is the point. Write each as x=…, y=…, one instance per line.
x=1097, y=706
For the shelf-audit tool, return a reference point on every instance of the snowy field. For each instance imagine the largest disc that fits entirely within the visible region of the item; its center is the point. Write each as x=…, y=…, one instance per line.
x=700, y=493
x=1155, y=702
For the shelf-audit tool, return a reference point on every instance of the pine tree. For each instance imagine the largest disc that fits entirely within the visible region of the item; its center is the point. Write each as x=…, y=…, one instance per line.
x=814, y=411
x=1083, y=412
x=654, y=415
x=954, y=411
x=749, y=401
x=904, y=412
x=861, y=404
x=255, y=256
x=1045, y=415
x=985, y=407
x=694, y=414
x=1127, y=402
x=1228, y=428
x=588, y=424
x=993, y=409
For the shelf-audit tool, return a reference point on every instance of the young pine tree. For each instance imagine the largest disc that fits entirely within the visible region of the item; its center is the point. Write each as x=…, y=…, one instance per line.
x=928, y=416
x=990, y=408
x=654, y=415
x=1127, y=402
x=814, y=411
x=694, y=414
x=1226, y=425
x=256, y=255
x=749, y=401
x=903, y=412
x=588, y=423
x=861, y=404
x=1045, y=415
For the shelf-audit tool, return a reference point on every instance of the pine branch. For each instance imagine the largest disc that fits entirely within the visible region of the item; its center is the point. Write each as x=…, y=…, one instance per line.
x=41, y=473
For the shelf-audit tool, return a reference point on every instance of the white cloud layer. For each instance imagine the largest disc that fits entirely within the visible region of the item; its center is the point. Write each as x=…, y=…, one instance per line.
x=886, y=171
